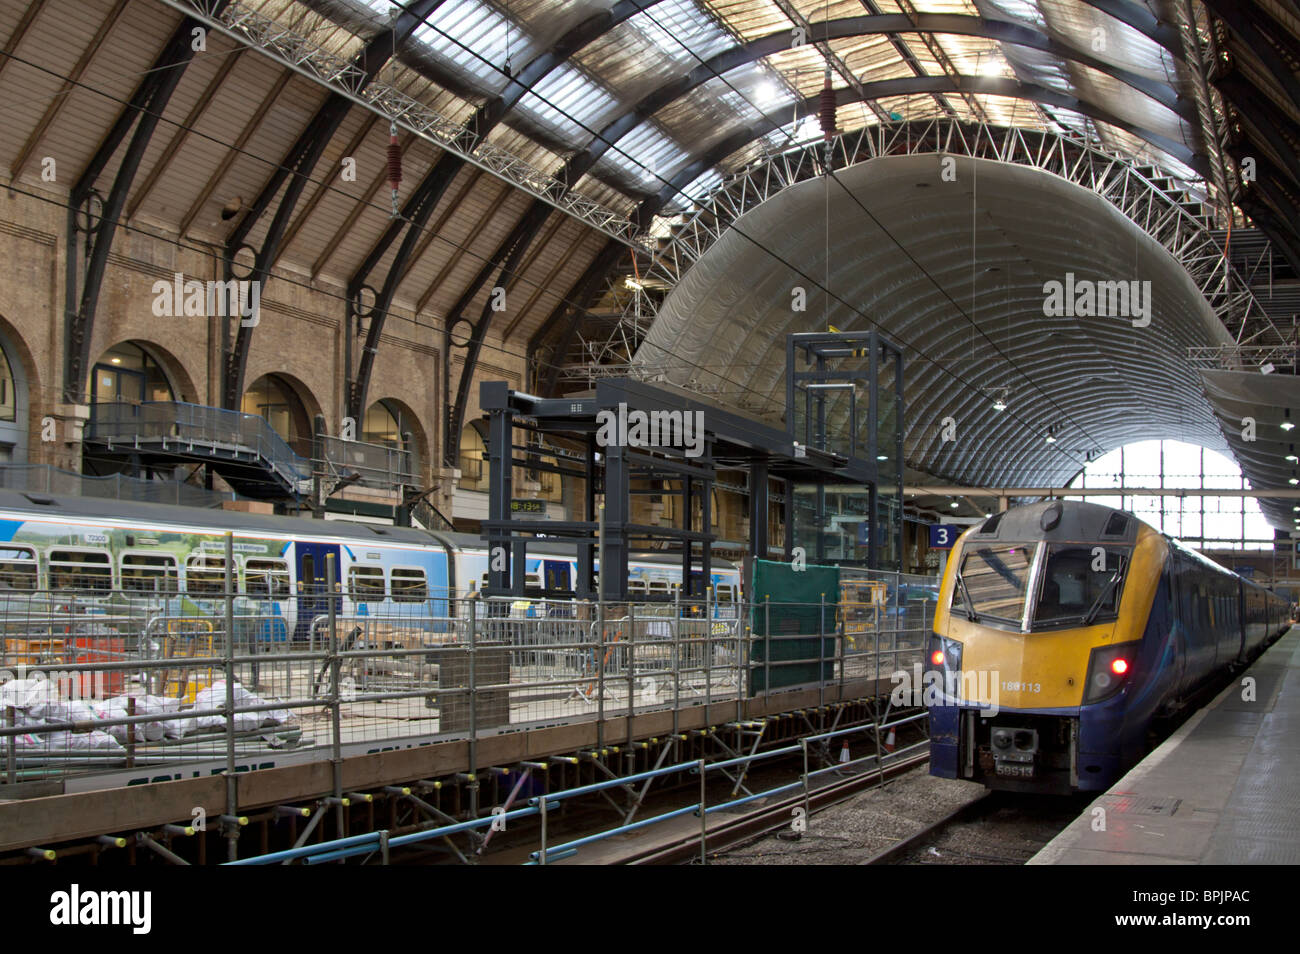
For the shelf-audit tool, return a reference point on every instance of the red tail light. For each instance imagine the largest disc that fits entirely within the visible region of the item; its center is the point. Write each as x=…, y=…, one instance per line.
x=1119, y=667
x=936, y=657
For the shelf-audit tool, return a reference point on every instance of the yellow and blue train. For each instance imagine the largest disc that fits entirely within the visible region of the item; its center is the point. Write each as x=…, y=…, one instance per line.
x=1063, y=629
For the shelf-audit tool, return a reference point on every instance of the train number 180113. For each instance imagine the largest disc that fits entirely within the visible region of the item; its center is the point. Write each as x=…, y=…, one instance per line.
x=1022, y=687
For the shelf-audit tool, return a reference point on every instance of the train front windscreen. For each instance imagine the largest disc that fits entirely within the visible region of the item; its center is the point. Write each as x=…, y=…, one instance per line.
x=1076, y=584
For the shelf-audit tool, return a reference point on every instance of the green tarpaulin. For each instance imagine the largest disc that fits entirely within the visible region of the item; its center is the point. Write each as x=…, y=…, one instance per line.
x=792, y=609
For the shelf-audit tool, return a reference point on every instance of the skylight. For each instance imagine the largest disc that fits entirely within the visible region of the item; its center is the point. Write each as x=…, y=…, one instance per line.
x=679, y=28
x=565, y=101
x=480, y=35
x=646, y=156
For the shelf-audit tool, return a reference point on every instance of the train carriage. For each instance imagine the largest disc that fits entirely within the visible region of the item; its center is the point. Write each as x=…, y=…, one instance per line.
x=1063, y=630
x=169, y=561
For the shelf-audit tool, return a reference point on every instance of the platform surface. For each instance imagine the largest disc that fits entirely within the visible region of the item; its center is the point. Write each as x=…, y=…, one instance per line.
x=1221, y=790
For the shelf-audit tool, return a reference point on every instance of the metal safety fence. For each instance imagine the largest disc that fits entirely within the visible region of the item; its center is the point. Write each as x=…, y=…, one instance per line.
x=106, y=687
x=880, y=757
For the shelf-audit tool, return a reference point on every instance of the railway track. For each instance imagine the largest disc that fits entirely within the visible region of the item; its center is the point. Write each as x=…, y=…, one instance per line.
x=895, y=853
x=993, y=828
x=767, y=819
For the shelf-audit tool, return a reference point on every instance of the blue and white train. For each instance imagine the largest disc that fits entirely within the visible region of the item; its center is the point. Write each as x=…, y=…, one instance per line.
x=110, y=550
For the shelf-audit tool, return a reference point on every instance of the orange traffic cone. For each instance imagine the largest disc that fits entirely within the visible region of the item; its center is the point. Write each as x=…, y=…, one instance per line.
x=844, y=751
x=889, y=741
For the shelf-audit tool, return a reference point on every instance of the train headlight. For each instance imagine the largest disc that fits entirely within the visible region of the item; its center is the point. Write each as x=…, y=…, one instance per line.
x=1108, y=671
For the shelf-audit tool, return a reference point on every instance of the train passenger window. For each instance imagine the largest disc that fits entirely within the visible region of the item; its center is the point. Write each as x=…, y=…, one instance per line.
x=409, y=585
x=18, y=568
x=205, y=575
x=150, y=573
x=660, y=588
x=996, y=578
x=268, y=579
x=637, y=588
x=366, y=584
x=1080, y=583
x=80, y=570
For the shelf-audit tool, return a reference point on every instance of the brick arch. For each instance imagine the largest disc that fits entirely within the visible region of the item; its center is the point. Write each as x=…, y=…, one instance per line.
x=412, y=422
x=29, y=392
x=303, y=409
x=179, y=379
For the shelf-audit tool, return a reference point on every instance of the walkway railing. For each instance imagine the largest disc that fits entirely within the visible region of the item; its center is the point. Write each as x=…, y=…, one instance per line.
x=175, y=424
x=377, y=465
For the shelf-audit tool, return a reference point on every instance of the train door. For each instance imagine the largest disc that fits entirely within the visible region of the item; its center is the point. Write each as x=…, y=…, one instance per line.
x=557, y=583
x=556, y=578
x=312, y=597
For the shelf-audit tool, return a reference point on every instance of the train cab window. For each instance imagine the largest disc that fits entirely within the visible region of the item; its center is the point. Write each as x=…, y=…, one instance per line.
x=205, y=575
x=80, y=570
x=409, y=585
x=1080, y=582
x=268, y=579
x=726, y=594
x=150, y=573
x=366, y=584
x=995, y=579
x=18, y=568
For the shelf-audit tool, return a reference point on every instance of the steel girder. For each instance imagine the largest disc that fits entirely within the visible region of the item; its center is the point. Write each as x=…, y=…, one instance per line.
x=506, y=259
x=83, y=283
x=420, y=206
x=297, y=167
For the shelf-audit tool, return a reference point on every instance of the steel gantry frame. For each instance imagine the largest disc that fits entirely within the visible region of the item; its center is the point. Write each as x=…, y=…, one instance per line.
x=92, y=219
x=1152, y=200
x=283, y=45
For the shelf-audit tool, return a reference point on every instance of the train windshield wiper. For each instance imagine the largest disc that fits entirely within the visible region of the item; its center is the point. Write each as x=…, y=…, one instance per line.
x=1101, y=597
x=965, y=596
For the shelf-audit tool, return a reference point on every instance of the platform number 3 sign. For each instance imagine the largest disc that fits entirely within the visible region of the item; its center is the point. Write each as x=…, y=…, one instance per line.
x=943, y=536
